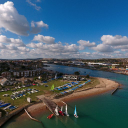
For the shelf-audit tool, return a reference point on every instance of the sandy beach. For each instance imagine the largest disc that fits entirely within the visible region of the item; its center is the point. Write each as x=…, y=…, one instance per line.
x=104, y=86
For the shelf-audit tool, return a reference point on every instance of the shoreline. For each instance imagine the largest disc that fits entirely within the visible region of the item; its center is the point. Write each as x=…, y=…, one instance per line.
x=105, y=85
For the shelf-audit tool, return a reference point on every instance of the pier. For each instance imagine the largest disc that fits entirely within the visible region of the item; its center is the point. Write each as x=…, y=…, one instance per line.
x=51, y=105
x=115, y=90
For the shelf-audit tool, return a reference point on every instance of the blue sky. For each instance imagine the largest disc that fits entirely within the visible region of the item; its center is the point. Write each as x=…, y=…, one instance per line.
x=63, y=29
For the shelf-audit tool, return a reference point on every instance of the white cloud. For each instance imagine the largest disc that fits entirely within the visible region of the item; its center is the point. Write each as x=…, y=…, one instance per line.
x=41, y=24
x=86, y=43
x=56, y=48
x=36, y=26
x=103, y=48
x=114, y=40
x=34, y=5
x=17, y=42
x=2, y=46
x=11, y=20
x=32, y=45
x=45, y=47
x=11, y=47
x=121, y=47
x=23, y=49
x=44, y=39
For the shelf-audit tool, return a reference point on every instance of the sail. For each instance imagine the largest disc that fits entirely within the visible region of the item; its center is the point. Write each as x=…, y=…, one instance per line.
x=66, y=112
x=56, y=111
x=61, y=108
x=52, y=88
x=75, y=113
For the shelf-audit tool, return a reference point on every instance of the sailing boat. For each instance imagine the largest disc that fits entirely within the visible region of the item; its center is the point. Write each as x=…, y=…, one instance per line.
x=61, y=108
x=52, y=88
x=66, y=112
x=61, y=111
x=56, y=111
x=75, y=112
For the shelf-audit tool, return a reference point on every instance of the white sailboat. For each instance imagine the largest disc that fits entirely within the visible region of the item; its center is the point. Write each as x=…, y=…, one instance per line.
x=75, y=112
x=66, y=112
x=61, y=108
x=56, y=111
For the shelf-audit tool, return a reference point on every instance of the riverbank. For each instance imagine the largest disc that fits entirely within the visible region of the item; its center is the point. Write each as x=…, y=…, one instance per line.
x=105, y=85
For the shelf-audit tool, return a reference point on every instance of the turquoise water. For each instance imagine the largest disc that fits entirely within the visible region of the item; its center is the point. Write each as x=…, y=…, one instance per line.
x=102, y=111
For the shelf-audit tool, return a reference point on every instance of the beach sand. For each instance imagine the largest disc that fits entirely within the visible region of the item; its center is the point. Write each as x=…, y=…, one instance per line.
x=104, y=86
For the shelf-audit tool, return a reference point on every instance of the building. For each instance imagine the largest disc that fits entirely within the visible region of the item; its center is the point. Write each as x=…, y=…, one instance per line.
x=71, y=77
x=27, y=73
x=5, y=81
x=6, y=74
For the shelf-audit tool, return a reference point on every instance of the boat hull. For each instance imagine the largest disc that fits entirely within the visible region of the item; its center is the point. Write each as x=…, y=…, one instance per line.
x=75, y=116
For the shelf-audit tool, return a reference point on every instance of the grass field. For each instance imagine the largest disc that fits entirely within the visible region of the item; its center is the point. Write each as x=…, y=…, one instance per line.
x=42, y=90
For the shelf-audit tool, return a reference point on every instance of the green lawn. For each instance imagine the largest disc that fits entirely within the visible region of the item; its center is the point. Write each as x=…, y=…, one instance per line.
x=93, y=83
x=42, y=90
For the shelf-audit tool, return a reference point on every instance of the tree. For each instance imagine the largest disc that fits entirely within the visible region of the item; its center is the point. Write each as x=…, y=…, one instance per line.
x=77, y=73
x=87, y=76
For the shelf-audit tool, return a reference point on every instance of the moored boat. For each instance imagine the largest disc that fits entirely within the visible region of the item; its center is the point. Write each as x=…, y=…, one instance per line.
x=61, y=113
x=50, y=116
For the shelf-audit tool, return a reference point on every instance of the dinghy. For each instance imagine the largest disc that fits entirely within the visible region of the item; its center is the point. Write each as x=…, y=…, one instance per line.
x=50, y=116
x=75, y=112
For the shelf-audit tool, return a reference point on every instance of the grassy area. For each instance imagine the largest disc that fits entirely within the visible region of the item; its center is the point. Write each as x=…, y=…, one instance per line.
x=42, y=90
x=93, y=83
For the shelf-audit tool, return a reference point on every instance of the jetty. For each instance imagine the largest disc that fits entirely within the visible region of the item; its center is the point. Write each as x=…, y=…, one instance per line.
x=51, y=105
x=116, y=90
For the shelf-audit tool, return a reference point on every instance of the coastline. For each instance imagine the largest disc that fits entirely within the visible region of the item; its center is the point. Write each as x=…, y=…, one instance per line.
x=104, y=86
